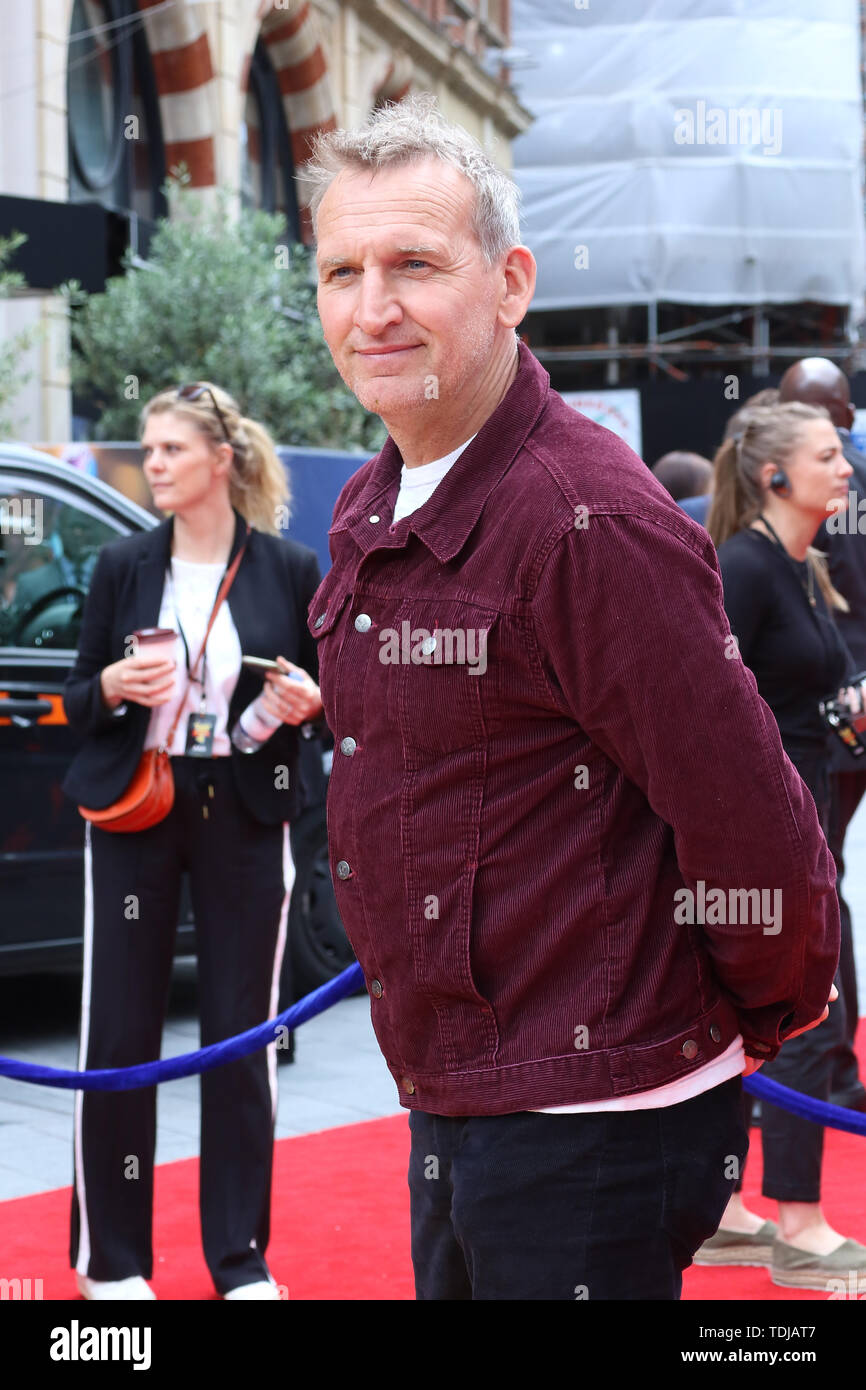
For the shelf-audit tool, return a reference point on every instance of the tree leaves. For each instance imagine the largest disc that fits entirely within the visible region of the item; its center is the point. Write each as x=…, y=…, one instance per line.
x=223, y=298
x=12, y=349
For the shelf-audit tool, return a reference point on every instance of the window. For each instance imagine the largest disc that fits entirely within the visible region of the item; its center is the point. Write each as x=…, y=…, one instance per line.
x=116, y=154
x=48, y=551
x=267, y=167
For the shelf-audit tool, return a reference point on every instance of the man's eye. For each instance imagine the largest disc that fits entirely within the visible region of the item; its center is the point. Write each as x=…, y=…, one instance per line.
x=341, y=272
x=416, y=262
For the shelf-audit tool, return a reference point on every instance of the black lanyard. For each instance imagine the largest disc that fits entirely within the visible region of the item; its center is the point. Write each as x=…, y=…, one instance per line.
x=808, y=590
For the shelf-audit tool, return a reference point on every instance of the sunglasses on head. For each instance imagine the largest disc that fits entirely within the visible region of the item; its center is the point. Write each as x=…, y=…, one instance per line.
x=194, y=391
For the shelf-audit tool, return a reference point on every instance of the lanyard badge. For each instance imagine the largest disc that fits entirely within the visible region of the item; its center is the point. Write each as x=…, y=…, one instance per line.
x=200, y=735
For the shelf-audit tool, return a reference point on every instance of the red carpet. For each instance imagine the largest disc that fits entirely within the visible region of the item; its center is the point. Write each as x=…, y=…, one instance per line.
x=341, y=1221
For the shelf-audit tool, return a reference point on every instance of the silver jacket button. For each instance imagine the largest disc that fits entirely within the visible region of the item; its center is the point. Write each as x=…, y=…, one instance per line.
x=343, y=869
x=690, y=1049
x=348, y=746
x=363, y=622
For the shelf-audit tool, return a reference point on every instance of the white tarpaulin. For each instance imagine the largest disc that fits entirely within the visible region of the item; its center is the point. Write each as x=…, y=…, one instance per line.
x=698, y=151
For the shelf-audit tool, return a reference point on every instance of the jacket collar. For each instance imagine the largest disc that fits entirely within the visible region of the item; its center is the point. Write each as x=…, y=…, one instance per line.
x=445, y=521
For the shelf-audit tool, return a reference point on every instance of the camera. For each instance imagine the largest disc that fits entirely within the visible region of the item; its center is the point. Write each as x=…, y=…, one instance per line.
x=848, y=726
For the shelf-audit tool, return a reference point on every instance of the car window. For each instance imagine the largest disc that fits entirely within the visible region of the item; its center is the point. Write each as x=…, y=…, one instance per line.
x=48, y=551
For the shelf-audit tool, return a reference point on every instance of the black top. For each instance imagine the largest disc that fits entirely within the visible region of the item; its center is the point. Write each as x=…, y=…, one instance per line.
x=268, y=601
x=795, y=652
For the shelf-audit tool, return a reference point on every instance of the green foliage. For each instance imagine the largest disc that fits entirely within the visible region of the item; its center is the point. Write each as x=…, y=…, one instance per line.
x=221, y=298
x=12, y=349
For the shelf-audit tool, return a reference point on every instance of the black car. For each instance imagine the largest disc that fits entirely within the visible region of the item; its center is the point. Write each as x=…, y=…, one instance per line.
x=53, y=521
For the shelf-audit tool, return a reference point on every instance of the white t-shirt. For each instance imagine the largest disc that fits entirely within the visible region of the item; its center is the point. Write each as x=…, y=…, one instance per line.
x=416, y=486
x=723, y=1068
x=193, y=589
x=419, y=484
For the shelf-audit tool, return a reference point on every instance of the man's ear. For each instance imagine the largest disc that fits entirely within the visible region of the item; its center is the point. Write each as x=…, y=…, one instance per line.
x=519, y=274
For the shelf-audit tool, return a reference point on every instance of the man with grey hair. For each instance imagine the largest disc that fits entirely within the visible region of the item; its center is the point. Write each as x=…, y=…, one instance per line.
x=513, y=838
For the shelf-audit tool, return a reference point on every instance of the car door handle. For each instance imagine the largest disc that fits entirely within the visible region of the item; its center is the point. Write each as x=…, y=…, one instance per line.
x=24, y=710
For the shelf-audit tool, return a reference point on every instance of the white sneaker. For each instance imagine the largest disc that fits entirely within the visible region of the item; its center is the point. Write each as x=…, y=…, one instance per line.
x=260, y=1289
x=114, y=1290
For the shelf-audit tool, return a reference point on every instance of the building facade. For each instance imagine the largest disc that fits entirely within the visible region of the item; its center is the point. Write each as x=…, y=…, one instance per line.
x=101, y=99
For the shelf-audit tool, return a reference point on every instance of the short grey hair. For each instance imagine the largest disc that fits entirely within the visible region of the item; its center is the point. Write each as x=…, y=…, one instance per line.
x=407, y=133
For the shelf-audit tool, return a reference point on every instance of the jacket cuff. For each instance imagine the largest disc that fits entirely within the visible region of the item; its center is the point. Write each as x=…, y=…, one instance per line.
x=103, y=715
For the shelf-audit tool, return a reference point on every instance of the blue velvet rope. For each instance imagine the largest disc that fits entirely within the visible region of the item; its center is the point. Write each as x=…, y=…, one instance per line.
x=807, y=1107
x=205, y=1059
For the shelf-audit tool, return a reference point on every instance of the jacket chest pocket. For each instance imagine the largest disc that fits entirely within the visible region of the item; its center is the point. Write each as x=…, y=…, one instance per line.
x=442, y=649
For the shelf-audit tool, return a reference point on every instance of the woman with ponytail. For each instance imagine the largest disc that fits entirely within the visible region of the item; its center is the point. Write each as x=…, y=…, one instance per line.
x=776, y=479
x=169, y=616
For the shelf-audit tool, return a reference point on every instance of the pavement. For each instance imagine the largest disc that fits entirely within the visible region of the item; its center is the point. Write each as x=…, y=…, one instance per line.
x=338, y=1077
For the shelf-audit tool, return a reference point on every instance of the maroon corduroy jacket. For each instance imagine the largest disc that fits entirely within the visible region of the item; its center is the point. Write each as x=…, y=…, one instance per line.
x=546, y=749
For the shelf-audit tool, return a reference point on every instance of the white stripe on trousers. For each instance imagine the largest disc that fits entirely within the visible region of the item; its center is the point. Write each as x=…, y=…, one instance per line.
x=288, y=881
x=271, y=1050
x=83, y=1257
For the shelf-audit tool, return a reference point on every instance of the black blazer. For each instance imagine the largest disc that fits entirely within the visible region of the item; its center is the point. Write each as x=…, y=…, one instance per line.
x=268, y=603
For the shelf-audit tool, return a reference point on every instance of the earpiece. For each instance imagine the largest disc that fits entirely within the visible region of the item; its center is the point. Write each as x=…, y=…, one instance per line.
x=779, y=483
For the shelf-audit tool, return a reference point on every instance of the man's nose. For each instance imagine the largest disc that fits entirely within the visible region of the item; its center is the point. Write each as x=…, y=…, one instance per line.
x=377, y=307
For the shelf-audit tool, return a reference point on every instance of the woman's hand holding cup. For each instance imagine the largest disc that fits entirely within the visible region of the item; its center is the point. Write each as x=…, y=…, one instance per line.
x=147, y=677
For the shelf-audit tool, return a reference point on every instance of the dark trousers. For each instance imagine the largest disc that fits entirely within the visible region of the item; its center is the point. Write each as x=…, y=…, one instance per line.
x=605, y=1205
x=847, y=789
x=239, y=880
x=793, y=1148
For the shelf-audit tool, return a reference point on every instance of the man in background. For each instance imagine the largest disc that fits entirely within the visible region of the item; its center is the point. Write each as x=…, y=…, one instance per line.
x=684, y=474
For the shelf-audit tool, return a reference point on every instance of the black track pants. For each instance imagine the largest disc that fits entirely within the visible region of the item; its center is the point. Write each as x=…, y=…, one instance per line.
x=240, y=877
